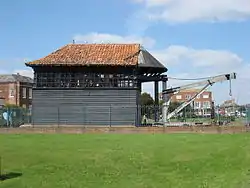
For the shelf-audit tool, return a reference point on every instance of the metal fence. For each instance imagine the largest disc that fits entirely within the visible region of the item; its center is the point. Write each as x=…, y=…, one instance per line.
x=14, y=116
x=150, y=115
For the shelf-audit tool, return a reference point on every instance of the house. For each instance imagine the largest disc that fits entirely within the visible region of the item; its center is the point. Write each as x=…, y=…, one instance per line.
x=229, y=107
x=92, y=84
x=203, y=103
x=16, y=89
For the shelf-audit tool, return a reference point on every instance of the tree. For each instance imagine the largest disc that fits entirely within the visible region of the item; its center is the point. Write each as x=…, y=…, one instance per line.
x=146, y=99
x=173, y=106
x=242, y=108
x=7, y=105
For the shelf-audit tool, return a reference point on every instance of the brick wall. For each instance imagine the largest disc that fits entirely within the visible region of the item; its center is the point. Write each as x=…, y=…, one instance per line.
x=8, y=92
x=12, y=93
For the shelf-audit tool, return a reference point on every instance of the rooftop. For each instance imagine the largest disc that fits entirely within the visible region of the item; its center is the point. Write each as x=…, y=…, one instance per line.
x=194, y=90
x=9, y=78
x=100, y=54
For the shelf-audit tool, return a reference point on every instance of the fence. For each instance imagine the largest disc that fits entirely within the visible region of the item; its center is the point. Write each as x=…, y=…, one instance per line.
x=14, y=117
x=113, y=115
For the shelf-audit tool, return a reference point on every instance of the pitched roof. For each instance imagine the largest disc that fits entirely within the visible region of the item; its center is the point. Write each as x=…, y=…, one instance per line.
x=100, y=54
x=8, y=78
x=92, y=54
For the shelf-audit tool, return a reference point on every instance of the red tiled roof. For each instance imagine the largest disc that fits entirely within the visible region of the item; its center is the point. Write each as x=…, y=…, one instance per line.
x=92, y=54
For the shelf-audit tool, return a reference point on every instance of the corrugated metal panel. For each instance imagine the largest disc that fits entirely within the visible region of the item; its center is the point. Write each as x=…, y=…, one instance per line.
x=84, y=107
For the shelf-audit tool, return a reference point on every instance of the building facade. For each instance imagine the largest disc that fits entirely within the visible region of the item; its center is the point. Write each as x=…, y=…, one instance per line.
x=202, y=105
x=92, y=84
x=229, y=107
x=16, y=90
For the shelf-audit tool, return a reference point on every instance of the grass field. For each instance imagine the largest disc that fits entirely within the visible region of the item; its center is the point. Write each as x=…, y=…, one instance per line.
x=126, y=161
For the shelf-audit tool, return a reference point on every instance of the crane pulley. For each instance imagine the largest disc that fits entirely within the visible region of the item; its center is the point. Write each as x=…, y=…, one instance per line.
x=167, y=93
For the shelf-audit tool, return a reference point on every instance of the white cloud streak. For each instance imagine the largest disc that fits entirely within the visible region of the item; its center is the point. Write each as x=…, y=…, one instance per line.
x=109, y=38
x=181, y=11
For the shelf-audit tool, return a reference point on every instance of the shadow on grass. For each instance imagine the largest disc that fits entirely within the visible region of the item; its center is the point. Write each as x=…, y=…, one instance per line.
x=10, y=175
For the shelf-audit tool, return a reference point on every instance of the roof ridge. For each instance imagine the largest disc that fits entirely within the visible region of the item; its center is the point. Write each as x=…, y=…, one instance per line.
x=70, y=44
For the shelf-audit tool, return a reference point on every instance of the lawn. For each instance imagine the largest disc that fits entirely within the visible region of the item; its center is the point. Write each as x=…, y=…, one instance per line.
x=126, y=161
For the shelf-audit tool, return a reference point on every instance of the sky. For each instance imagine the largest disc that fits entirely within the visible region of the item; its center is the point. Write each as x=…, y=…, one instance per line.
x=192, y=38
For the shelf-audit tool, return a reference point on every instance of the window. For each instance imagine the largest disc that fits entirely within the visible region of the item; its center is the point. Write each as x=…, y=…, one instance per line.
x=24, y=93
x=206, y=104
x=205, y=96
x=84, y=80
x=187, y=97
x=197, y=104
x=198, y=96
x=30, y=93
x=12, y=93
x=178, y=97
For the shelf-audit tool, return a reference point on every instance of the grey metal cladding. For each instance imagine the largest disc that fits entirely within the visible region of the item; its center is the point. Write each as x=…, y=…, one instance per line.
x=84, y=107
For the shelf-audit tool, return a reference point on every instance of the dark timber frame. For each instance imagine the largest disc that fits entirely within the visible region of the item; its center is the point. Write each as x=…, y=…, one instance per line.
x=53, y=78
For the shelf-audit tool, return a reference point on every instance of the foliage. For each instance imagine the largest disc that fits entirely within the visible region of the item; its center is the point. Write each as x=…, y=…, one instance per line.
x=173, y=106
x=136, y=160
x=146, y=99
x=11, y=106
x=242, y=109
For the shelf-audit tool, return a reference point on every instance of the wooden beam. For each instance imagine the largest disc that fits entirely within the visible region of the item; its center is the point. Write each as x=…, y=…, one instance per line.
x=156, y=93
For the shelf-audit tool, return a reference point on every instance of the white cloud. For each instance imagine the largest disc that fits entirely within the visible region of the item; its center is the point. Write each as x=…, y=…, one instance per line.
x=109, y=38
x=220, y=60
x=25, y=72
x=196, y=10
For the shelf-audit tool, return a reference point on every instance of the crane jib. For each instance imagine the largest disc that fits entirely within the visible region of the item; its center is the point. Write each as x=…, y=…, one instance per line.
x=167, y=93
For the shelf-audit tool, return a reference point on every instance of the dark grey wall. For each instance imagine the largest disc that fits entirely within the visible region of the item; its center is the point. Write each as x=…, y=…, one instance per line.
x=84, y=107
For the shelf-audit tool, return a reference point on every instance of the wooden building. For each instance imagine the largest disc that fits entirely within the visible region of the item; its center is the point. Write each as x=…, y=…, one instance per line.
x=93, y=84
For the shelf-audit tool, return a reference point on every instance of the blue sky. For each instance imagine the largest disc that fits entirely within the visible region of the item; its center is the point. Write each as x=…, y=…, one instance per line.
x=192, y=39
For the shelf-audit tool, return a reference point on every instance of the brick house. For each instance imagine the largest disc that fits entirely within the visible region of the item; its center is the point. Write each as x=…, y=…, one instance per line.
x=202, y=105
x=16, y=89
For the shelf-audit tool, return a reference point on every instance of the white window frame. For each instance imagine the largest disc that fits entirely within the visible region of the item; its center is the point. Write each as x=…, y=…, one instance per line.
x=205, y=96
x=178, y=97
x=187, y=96
x=197, y=106
x=30, y=93
x=24, y=93
x=11, y=93
x=206, y=105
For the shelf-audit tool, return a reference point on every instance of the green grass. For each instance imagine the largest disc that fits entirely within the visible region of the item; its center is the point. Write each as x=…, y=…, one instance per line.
x=126, y=161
